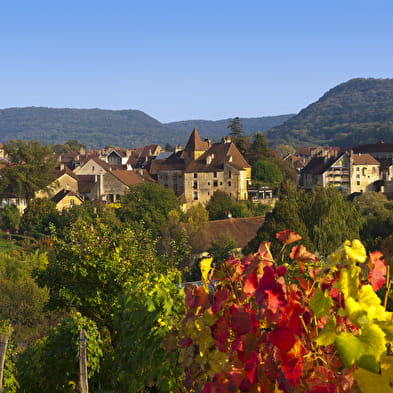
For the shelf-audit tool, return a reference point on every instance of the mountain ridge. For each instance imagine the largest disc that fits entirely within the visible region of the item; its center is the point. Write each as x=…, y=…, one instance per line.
x=101, y=127
x=358, y=111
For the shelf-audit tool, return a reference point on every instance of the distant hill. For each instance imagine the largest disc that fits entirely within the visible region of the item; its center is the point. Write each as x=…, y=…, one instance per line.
x=356, y=112
x=98, y=128
x=219, y=128
x=92, y=127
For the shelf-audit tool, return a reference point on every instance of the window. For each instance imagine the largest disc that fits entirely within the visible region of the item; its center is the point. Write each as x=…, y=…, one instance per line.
x=230, y=174
x=117, y=197
x=358, y=183
x=215, y=183
x=195, y=195
x=357, y=169
x=215, y=174
x=195, y=185
x=229, y=184
x=220, y=183
x=357, y=176
x=72, y=202
x=208, y=183
x=93, y=168
x=195, y=175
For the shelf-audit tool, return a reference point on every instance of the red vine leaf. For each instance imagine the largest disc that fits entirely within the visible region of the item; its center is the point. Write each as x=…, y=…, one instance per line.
x=378, y=270
x=287, y=237
x=300, y=253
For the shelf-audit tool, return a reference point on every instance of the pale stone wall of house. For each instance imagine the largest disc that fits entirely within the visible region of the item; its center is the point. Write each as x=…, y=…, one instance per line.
x=64, y=182
x=67, y=202
x=111, y=188
x=172, y=179
x=363, y=177
x=200, y=186
x=90, y=168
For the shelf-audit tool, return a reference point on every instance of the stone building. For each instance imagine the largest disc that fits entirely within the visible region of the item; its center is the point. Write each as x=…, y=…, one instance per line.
x=347, y=172
x=202, y=168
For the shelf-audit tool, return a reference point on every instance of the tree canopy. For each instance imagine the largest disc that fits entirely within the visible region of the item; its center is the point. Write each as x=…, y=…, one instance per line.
x=31, y=167
x=323, y=217
x=149, y=203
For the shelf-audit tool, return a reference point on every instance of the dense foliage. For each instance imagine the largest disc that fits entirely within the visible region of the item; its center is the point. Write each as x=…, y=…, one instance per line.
x=151, y=312
x=356, y=112
x=148, y=203
x=10, y=383
x=221, y=204
x=91, y=264
x=300, y=325
x=323, y=217
x=51, y=364
x=30, y=168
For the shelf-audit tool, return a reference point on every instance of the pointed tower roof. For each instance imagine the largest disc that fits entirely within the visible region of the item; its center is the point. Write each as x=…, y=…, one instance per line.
x=195, y=143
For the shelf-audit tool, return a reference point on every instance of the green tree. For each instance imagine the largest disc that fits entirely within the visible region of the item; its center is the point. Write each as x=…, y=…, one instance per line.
x=31, y=168
x=92, y=263
x=219, y=205
x=267, y=173
x=51, y=364
x=149, y=203
x=38, y=216
x=197, y=218
x=22, y=300
x=10, y=218
x=221, y=248
x=258, y=149
x=377, y=215
x=236, y=127
x=10, y=384
x=174, y=241
x=285, y=215
x=323, y=217
x=151, y=313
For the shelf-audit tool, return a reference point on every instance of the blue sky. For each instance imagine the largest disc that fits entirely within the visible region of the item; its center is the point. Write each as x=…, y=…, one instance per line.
x=178, y=60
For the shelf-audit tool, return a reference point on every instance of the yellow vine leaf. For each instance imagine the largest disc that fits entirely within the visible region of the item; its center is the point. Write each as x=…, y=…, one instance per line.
x=376, y=383
x=355, y=251
x=205, y=265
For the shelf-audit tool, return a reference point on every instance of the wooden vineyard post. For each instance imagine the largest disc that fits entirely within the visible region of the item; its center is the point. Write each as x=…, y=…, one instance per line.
x=84, y=388
x=3, y=350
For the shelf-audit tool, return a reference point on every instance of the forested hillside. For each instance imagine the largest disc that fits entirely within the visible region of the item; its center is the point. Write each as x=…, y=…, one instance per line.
x=92, y=127
x=219, y=128
x=98, y=128
x=358, y=111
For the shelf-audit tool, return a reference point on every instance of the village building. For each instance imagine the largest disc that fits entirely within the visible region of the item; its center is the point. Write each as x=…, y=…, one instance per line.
x=66, y=199
x=364, y=172
x=65, y=180
x=109, y=187
x=202, y=168
x=348, y=172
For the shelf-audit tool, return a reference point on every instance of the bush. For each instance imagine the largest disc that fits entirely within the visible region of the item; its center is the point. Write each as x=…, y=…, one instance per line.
x=52, y=363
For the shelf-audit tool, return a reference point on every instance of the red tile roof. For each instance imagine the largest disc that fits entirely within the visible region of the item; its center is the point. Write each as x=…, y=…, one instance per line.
x=129, y=178
x=195, y=143
x=364, y=159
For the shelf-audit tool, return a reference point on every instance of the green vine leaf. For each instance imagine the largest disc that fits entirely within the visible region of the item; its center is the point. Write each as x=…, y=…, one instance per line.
x=365, y=350
x=321, y=303
x=328, y=334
